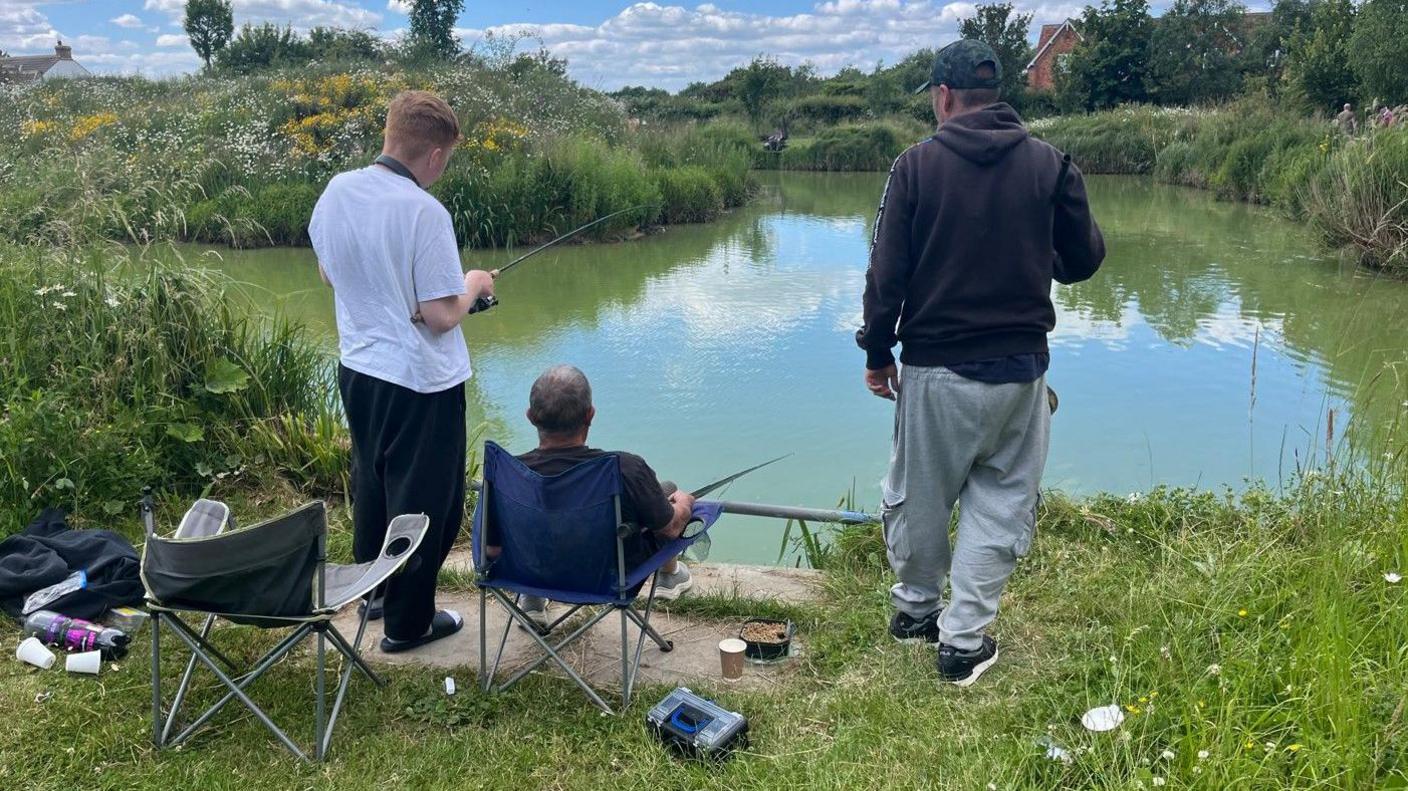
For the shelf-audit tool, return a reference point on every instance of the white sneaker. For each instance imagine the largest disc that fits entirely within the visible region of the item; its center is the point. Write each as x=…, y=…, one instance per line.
x=536, y=608
x=671, y=586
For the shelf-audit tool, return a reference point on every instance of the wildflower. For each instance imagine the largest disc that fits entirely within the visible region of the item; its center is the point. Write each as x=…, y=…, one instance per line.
x=1165, y=652
x=992, y=786
x=1249, y=745
x=1203, y=755
x=1197, y=770
x=1131, y=708
x=1242, y=613
x=112, y=302
x=1158, y=781
x=68, y=294
x=1214, y=669
x=1392, y=578
x=1167, y=755
x=1295, y=748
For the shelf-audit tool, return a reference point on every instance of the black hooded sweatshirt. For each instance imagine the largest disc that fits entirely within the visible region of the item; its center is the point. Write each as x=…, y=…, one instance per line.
x=974, y=224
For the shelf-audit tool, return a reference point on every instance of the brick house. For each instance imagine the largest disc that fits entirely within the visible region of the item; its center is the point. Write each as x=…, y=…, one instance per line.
x=1055, y=43
x=29, y=68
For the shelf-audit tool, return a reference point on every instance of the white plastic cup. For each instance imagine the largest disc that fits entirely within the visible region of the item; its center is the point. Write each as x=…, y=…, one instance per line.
x=87, y=662
x=33, y=652
x=731, y=658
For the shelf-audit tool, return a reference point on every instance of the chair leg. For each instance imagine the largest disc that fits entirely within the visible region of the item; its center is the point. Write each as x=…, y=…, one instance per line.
x=625, y=662
x=184, y=686
x=665, y=645
x=235, y=690
x=486, y=679
x=263, y=665
x=353, y=652
x=354, y=662
x=642, y=621
x=157, y=730
x=321, y=702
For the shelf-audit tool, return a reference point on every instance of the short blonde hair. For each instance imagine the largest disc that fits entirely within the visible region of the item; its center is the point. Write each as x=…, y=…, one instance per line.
x=418, y=121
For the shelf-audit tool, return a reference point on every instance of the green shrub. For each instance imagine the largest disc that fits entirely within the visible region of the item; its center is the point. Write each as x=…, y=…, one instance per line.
x=120, y=376
x=1357, y=200
x=690, y=194
x=860, y=147
x=825, y=109
x=282, y=211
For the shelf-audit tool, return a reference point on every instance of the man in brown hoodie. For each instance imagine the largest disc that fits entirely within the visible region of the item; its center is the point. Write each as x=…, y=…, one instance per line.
x=974, y=224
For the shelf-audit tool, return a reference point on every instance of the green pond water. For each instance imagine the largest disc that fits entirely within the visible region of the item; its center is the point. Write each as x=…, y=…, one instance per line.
x=1209, y=350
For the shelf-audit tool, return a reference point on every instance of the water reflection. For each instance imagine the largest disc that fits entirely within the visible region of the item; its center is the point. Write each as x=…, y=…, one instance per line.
x=715, y=347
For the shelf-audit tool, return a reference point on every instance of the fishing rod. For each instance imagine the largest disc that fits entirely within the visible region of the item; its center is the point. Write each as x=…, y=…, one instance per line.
x=696, y=526
x=803, y=514
x=488, y=301
x=703, y=490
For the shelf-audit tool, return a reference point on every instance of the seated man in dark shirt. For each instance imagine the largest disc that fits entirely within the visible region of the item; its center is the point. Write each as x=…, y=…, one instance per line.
x=560, y=407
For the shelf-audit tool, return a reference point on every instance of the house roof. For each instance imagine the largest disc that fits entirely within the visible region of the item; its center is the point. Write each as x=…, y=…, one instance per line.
x=1069, y=23
x=39, y=63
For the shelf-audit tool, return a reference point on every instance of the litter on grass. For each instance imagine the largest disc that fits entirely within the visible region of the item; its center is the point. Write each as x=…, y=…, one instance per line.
x=1102, y=718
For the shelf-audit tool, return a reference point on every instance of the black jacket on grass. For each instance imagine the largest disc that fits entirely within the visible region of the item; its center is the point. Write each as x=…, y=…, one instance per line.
x=974, y=224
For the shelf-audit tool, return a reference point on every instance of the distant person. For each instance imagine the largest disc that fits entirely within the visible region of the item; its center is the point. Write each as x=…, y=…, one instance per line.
x=1386, y=117
x=387, y=248
x=973, y=226
x=560, y=407
x=1346, y=120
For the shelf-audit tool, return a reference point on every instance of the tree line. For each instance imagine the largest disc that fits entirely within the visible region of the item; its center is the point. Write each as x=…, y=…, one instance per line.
x=1311, y=54
x=209, y=24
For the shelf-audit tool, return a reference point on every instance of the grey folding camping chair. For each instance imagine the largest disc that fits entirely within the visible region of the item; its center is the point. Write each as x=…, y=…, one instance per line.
x=272, y=575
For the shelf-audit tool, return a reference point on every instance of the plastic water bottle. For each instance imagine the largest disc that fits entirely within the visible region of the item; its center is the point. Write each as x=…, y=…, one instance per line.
x=76, y=634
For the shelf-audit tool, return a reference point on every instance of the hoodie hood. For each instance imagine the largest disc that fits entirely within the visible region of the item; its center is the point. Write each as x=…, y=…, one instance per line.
x=983, y=136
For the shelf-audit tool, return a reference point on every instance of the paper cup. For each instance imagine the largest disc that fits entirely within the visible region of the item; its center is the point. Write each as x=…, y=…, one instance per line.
x=731, y=658
x=1102, y=718
x=33, y=652
x=87, y=662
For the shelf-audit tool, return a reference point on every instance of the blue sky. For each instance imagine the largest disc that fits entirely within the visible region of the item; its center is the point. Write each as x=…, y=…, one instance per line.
x=607, y=43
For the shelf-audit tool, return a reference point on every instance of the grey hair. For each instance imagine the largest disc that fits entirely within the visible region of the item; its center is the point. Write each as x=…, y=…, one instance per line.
x=560, y=400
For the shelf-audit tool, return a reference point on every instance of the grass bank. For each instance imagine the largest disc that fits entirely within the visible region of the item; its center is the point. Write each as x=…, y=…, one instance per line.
x=242, y=160
x=1350, y=190
x=120, y=375
x=1252, y=642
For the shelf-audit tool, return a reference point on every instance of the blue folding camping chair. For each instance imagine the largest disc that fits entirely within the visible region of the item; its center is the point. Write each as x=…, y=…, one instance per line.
x=561, y=537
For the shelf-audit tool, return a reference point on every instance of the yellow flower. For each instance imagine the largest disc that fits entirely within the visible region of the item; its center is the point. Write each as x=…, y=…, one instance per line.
x=87, y=125
x=1242, y=613
x=1131, y=708
x=1295, y=748
x=35, y=128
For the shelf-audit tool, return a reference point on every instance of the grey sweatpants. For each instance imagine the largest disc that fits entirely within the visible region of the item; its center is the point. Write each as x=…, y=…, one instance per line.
x=983, y=446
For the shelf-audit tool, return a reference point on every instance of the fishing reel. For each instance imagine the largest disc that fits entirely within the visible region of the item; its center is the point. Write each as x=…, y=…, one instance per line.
x=484, y=303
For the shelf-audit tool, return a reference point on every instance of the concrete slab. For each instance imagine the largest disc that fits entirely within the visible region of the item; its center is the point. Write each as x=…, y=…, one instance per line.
x=765, y=583
x=596, y=656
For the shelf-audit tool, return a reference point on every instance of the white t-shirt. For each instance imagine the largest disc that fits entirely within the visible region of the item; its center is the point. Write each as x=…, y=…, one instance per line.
x=387, y=245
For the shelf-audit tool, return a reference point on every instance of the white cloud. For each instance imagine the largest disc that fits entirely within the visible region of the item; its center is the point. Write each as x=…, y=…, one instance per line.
x=127, y=20
x=671, y=46
x=23, y=29
x=401, y=7
x=300, y=14
x=173, y=40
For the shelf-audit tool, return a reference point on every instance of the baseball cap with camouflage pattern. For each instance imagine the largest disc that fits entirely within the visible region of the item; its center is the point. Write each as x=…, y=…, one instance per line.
x=957, y=66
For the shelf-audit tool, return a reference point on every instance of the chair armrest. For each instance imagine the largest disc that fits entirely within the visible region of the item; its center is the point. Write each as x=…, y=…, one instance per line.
x=347, y=583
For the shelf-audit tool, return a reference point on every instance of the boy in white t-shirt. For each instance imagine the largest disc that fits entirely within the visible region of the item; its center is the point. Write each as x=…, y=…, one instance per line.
x=387, y=248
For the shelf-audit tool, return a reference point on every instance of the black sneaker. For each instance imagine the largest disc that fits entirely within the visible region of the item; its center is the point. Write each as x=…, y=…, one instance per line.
x=911, y=630
x=962, y=668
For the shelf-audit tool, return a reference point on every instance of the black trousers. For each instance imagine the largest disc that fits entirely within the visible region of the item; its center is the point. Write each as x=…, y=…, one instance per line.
x=408, y=457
